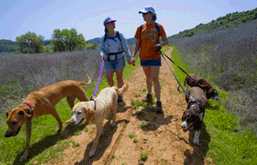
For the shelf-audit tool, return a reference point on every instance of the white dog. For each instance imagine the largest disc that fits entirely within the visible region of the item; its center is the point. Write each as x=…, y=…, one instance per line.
x=97, y=110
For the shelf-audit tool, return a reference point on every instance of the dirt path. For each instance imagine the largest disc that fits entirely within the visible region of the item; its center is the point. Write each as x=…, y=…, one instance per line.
x=162, y=139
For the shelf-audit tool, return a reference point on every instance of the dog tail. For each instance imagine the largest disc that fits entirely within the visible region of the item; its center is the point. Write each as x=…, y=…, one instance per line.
x=122, y=90
x=84, y=83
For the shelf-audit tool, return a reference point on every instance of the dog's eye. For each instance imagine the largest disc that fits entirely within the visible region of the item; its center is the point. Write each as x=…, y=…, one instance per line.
x=79, y=112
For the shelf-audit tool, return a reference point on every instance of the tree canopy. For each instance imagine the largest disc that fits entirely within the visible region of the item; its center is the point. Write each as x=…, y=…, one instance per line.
x=67, y=40
x=30, y=43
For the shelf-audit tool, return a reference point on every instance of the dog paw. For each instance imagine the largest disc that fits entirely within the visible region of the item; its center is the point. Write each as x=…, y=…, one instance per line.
x=91, y=153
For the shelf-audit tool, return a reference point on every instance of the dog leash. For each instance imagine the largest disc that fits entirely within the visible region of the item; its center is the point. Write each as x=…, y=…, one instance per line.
x=201, y=108
x=97, y=84
x=163, y=54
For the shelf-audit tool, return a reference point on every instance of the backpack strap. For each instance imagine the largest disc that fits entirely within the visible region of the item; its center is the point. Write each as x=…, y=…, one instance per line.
x=158, y=30
x=141, y=27
x=117, y=34
x=105, y=36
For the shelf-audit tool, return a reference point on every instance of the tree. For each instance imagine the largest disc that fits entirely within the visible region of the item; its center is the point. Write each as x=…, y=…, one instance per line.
x=92, y=46
x=67, y=40
x=30, y=43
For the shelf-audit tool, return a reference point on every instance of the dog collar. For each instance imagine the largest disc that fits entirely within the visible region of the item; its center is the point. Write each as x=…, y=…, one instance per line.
x=207, y=85
x=201, y=108
x=194, y=101
x=30, y=107
x=92, y=99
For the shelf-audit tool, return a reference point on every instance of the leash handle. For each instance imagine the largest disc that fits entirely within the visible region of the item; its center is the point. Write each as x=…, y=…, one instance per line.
x=99, y=78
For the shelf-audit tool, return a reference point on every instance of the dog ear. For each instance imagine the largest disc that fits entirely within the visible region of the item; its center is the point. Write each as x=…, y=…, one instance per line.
x=208, y=94
x=25, y=115
x=201, y=81
x=7, y=113
x=197, y=123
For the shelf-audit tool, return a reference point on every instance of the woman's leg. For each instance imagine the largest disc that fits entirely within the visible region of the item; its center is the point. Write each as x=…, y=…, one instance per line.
x=119, y=76
x=155, y=77
x=147, y=71
x=157, y=88
x=109, y=77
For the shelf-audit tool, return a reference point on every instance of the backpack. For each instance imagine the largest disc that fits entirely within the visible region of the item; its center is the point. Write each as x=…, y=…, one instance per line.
x=157, y=28
x=117, y=35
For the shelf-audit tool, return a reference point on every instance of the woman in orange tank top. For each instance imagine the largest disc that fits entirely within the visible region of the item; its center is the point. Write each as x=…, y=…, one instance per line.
x=147, y=40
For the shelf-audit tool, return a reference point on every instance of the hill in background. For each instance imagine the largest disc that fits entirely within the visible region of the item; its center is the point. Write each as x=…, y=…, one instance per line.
x=229, y=20
x=8, y=46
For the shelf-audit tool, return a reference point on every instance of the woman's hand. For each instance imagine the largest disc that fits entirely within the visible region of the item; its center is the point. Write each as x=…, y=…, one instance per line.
x=132, y=61
x=102, y=58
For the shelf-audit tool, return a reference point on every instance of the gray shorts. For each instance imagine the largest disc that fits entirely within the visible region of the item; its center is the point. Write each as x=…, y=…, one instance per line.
x=114, y=64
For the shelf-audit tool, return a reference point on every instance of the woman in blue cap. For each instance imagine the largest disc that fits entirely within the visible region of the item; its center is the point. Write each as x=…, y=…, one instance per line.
x=113, y=48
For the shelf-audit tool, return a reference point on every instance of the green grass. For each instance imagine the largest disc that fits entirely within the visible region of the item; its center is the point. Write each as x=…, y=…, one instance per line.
x=131, y=136
x=44, y=128
x=143, y=156
x=227, y=145
x=144, y=124
x=137, y=103
x=74, y=144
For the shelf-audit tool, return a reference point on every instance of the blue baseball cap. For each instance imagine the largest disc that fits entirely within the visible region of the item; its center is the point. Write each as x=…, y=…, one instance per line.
x=147, y=9
x=107, y=20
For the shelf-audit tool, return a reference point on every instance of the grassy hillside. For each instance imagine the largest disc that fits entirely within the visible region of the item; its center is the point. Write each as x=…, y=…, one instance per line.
x=8, y=46
x=229, y=20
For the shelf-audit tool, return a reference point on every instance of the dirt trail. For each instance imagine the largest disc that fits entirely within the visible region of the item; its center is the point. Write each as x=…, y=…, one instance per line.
x=162, y=139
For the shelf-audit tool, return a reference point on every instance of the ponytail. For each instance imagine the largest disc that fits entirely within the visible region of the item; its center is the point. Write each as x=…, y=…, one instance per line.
x=154, y=17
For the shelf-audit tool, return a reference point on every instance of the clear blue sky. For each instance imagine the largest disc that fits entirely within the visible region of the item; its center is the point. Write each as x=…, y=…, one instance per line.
x=17, y=17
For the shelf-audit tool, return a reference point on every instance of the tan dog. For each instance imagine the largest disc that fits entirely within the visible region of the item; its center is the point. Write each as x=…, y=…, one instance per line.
x=42, y=102
x=97, y=110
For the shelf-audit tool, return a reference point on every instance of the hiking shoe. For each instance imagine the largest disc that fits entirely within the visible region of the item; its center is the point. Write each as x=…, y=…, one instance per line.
x=159, y=107
x=148, y=98
x=120, y=99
